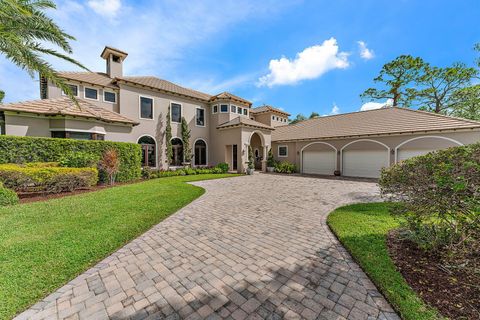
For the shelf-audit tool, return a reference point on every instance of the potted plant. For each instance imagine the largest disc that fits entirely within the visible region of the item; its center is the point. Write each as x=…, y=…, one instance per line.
x=270, y=161
x=250, y=166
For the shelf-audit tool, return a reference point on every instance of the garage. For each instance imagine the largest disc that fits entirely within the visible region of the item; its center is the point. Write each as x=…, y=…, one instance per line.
x=419, y=146
x=319, y=158
x=364, y=158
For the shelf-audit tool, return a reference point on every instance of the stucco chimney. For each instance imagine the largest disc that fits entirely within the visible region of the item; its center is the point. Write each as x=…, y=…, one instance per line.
x=114, y=61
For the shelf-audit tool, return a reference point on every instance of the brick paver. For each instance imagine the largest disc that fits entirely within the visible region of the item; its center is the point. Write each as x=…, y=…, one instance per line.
x=252, y=247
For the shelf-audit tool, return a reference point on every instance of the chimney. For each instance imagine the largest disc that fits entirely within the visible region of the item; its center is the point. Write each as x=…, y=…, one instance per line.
x=114, y=59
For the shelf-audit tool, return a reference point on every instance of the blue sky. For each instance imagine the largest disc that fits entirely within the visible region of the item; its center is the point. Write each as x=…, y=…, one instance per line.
x=301, y=56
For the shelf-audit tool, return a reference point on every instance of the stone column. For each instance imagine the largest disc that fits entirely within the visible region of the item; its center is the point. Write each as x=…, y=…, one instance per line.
x=264, y=158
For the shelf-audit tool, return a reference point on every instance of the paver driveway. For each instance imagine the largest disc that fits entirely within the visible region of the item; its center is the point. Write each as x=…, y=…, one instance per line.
x=252, y=247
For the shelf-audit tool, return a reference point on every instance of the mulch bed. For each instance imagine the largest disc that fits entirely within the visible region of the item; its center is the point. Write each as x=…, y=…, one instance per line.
x=455, y=292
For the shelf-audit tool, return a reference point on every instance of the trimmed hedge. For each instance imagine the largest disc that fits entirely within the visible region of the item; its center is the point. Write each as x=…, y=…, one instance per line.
x=46, y=178
x=7, y=197
x=33, y=149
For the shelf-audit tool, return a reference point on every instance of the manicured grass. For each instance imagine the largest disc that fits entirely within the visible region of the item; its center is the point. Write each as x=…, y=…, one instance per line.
x=45, y=244
x=362, y=229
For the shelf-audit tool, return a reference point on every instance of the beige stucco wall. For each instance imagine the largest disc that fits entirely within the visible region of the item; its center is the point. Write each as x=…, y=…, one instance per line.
x=391, y=142
x=267, y=118
x=26, y=125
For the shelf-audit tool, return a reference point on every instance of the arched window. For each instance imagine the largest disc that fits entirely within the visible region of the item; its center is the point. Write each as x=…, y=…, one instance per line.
x=177, y=155
x=200, y=153
x=148, y=151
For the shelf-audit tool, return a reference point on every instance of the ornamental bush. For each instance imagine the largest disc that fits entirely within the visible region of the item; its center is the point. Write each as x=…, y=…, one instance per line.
x=223, y=166
x=7, y=197
x=285, y=167
x=79, y=159
x=438, y=197
x=33, y=149
x=27, y=178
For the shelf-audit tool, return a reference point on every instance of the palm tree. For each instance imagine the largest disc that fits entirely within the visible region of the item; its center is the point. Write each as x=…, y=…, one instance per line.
x=24, y=29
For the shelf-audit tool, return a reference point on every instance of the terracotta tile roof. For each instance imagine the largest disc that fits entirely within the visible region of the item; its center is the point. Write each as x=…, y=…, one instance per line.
x=383, y=121
x=160, y=84
x=244, y=121
x=229, y=96
x=97, y=78
x=267, y=108
x=66, y=107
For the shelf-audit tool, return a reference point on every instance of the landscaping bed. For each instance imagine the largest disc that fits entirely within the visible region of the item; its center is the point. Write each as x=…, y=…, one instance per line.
x=451, y=286
x=45, y=244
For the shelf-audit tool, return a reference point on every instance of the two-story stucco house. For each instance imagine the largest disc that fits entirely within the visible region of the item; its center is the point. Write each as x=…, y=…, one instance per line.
x=117, y=107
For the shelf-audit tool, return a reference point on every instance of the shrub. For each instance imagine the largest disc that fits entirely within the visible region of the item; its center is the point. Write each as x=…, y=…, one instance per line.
x=7, y=197
x=438, y=197
x=79, y=159
x=110, y=164
x=271, y=160
x=46, y=178
x=33, y=149
x=147, y=173
x=285, y=167
x=223, y=166
x=251, y=158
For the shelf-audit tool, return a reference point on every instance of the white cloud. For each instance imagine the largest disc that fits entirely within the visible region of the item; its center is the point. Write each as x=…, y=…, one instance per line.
x=311, y=63
x=365, y=52
x=106, y=8
x=335, y=110
x=376, y=105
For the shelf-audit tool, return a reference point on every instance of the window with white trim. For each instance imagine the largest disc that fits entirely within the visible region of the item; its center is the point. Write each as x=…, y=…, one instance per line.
x=239, y=110
x=200, y=117
x=176, y=112
x=109, y=96
x=215, y=108
x=245, y=112
x=146, y=108
x=282, y=151
x=73, y=88
x=233, y=109
x=224, y=108
x=91, y=93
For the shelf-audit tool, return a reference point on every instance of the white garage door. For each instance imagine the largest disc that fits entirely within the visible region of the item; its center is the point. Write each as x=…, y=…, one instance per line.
x=363, y=163
x=407, y=154
x=319, y=162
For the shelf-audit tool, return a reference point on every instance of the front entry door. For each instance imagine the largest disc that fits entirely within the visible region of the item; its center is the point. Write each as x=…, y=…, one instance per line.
x=234, y=157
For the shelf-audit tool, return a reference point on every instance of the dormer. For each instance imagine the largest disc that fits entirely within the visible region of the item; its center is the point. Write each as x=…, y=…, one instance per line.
x=114, y=59
x=269, y=115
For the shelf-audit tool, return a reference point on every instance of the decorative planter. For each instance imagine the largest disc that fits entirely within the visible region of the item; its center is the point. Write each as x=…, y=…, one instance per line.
x=186, y=164
x=250, y=171
x=337, y=173
x=270, y=169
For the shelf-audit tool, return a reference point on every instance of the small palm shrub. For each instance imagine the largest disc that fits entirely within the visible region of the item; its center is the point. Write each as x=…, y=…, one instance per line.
x=285, y=167
x=7, y=197
x=437, y=196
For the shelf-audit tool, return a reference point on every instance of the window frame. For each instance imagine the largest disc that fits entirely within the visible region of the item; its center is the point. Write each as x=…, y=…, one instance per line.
x=171, y=110
x=245, y=111
x=286, y=151
x=85, y=93
x=233, y=108
x=228, y=108
x=109, y=91
x=204, y=118
x=213, y=109
x=140, y=107
x=240, y=110
x=73, y=85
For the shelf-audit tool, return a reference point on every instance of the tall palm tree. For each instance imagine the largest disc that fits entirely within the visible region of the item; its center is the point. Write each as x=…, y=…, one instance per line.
x=24, y=29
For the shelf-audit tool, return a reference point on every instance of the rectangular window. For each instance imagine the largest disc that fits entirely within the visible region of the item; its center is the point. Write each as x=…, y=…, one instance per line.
x=200, y=117
x=74, y=89
x=239, y=110
x=245, y=112
x=215, y=108
x=78, y=135
x=282, y=151
x=233, y=109
x=109, y=96
x=146, y=108
x=176, y=110
x=224, y=108
x=91, y=93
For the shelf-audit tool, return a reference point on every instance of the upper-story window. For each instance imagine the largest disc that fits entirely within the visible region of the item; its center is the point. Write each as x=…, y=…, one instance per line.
x=73, y=88
x=215, y=108
x=224, y=108
x=91, y=93
x=109, y=96
x=245, y=112
x=273, y=117
x=233, y=109
x=146, y=108
x=200, y=117
x=176, y=112
x=239, y=110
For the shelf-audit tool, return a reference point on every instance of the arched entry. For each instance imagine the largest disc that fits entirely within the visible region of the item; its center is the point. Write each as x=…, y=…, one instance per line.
x=200, y=151
x=177, y=154
x=149, y=151
x=364, y=158
x=422, y=145
x=257, y=143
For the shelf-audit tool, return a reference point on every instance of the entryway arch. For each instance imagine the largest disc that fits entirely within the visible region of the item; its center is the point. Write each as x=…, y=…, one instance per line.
x=200, y=152
x=257, y=142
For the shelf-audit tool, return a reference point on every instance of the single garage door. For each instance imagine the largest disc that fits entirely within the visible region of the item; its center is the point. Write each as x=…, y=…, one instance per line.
x=319, y=162
x=407, y=154
x=364, y=163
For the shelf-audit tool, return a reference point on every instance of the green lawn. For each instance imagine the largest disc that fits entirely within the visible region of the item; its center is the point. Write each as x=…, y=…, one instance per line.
x=45, y=244
x=362, y=229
